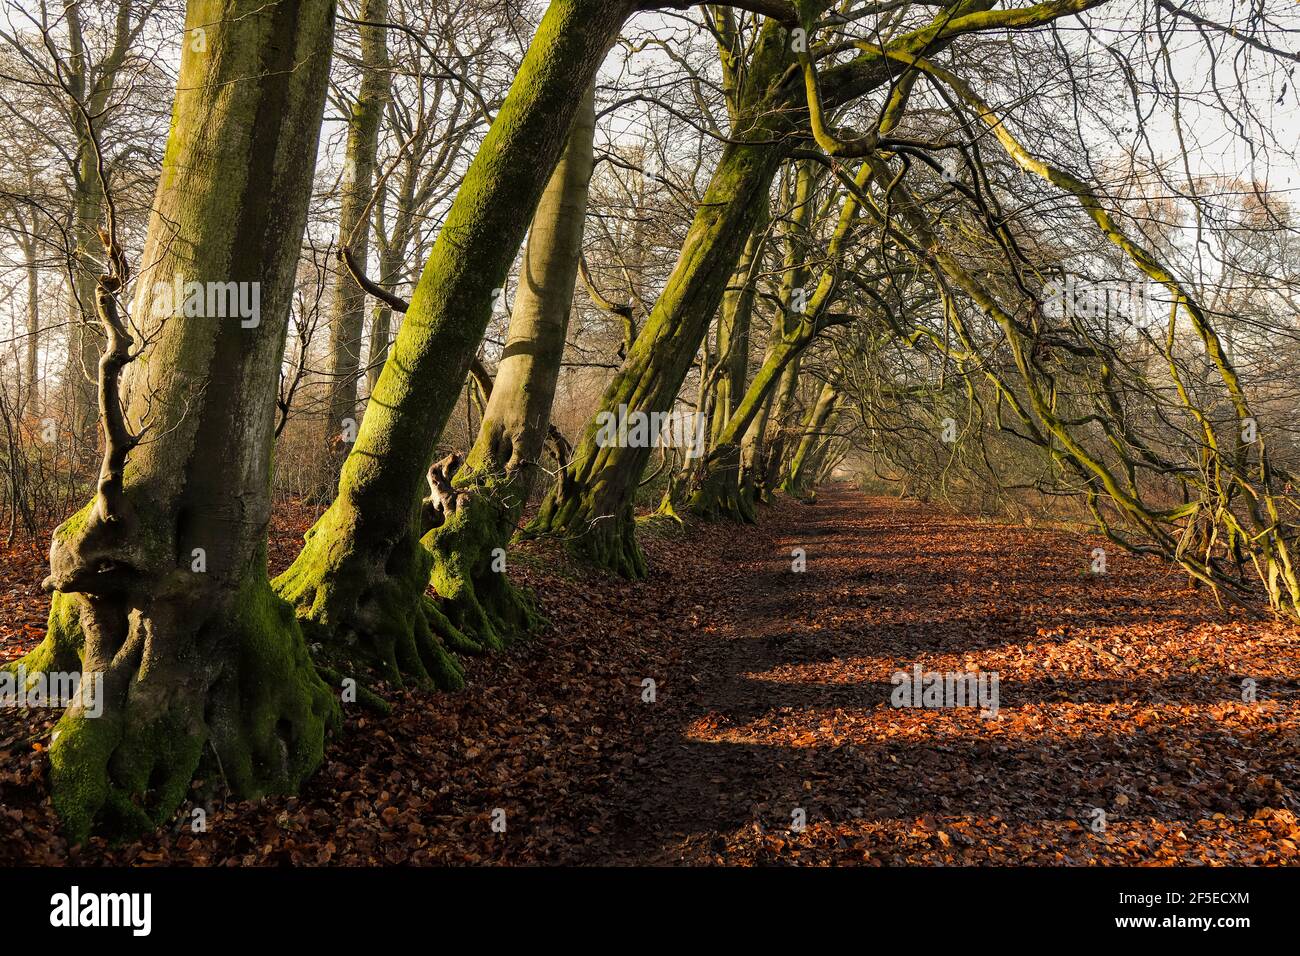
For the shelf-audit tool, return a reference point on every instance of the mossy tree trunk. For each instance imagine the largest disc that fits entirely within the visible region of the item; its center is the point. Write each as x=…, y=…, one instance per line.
x=803, y=466
x=592, y=506
x=84, y=340
x=718, y=491
x=348, y=311
x=479, y=519
x=764, y=441
x=733, y=330
x=751, y=451
x=161, y=580
x=361, y=576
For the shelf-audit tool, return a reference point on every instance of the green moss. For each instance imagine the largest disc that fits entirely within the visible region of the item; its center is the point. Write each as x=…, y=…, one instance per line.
x=718, y=495
x=474, y=593
x=64, y=642
x=252, y=714
x=365, y=610
x=611, y=544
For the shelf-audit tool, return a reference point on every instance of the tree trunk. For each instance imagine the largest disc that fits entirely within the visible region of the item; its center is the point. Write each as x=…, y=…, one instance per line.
x=718, y=480
x=349, y=307
x=84, y=338
x=33, y=384
x=718, y=491
x=492, y=488
x=733, y=330
x=204, y=670
x=803, y=464
x=391, y=261
x=361, y=577
x=592, y=506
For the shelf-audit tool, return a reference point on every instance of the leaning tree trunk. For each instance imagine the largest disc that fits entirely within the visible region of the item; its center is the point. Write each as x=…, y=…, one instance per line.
x=751, y=453
x=592, y=506
x=803, y=464
x=782, y=428
x=349, y=307
x=718, y=492
x=361, y=576
x=164, y=573
x=733, y=331
x=476, y=521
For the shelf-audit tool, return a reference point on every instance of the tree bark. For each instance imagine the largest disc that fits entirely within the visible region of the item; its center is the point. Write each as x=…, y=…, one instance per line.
x=163, y=574
x=361, y=577
x=592, y=506
x=93, y=87
x=84, y=340
x=493, y=487
x=733, y=331
x=347, y=320
x=803, y=464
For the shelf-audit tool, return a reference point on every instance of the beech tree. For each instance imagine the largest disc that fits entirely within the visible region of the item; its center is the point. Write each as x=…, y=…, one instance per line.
x=160, y=582
x=475, y=510
x=347, y=320
x=359, y=582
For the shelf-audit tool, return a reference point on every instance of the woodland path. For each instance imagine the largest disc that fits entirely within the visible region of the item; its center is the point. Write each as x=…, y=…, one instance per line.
x=1118, y=692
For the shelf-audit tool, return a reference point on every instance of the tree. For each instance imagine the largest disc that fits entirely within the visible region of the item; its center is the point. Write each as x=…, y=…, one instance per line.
x=359, y=582
x=591, y=507
x=477, y=508
x=164, y=574
x=347, y=320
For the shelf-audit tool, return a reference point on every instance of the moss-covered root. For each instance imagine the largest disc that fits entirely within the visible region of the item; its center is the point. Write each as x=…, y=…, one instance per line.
x=366, y=613
x=233, y=699
x=607, y=542
x=469, y=574
x=61, y=650
x=718, y=494
x=667, y=509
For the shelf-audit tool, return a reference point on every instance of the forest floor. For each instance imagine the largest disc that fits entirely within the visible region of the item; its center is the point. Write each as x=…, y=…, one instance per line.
x=1121, y=735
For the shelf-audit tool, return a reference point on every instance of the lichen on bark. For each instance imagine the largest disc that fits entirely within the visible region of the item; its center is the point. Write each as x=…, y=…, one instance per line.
x=360, y=580
x=160, y=581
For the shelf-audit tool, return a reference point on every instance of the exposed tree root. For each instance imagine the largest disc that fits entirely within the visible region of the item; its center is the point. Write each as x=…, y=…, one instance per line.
x=718, y=494
x=182, y=676
x=472, y=525
x=366, y=612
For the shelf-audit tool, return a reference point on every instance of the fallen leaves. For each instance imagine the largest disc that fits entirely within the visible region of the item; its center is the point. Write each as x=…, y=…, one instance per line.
x=1120, y=693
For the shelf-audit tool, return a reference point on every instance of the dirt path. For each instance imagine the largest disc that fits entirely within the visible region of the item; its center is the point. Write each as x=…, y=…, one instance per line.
x=1120, y=694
